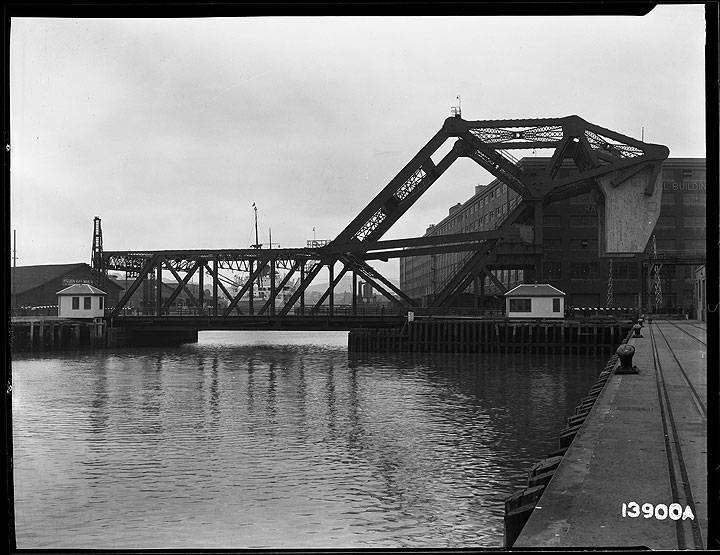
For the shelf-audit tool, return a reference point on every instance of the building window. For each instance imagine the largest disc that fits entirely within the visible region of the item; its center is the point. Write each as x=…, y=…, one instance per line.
x=553, y=270
x=101, y=299
x=694, y=200
x=694, y=221
x=582, y=221
x=552, y=221
x=668, y=198
x=666, y=222
x=556, y=305
x=583, y=270
x=664, y=245
x=87, y=303
x=76, y=303
x=694, y=245
x=520, y=305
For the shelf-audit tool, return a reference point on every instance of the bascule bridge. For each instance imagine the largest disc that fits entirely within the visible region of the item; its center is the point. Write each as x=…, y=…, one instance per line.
x=621, y=173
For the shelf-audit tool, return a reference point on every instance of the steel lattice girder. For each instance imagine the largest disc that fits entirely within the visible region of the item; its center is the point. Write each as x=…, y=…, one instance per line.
x=596, y=151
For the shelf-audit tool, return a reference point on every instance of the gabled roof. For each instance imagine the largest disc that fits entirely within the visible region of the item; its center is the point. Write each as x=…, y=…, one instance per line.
x=535, y=290
x=25, y=278
x=81, y=289
x=30, y=277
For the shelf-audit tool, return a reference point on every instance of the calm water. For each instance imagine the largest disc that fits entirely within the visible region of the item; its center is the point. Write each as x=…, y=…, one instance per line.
x=279, y=440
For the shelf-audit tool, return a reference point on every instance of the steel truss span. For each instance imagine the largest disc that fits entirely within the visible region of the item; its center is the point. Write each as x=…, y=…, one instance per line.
x=598, y=153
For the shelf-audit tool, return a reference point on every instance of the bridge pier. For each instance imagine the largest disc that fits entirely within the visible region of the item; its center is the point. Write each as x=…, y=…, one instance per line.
x=125, y=337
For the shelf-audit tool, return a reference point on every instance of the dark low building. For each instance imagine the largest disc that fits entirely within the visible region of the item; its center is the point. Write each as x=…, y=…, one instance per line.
x=34, y=286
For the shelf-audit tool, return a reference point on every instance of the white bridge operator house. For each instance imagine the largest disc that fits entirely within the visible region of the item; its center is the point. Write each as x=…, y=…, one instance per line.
x=535, y=300
x=81, y=300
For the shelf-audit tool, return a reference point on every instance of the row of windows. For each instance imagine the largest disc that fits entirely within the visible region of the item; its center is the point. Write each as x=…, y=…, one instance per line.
x=87, y=303
x=671, y=222
x=525, y=305
x=498, y=192
x=688, y=199
x=585, y=270
x=484, y=222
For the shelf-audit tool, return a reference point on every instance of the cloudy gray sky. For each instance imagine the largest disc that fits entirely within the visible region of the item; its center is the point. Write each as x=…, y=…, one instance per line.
x=169, y=129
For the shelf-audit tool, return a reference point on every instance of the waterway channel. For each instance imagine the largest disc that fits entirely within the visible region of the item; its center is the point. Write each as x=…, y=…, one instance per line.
x=252, y=440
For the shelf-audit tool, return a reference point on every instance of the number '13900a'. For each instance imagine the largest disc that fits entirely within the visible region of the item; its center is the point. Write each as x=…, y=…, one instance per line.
x=660, y=511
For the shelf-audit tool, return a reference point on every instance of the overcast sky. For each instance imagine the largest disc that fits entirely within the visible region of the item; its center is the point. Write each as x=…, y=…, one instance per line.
x=169, y=129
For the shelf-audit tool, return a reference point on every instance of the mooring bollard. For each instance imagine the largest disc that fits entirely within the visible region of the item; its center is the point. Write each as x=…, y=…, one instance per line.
x=636, y=330
x=625, y=353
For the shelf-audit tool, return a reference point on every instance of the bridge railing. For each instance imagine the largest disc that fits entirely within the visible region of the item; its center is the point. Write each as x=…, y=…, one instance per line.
x=49, y=310
x=367, y=311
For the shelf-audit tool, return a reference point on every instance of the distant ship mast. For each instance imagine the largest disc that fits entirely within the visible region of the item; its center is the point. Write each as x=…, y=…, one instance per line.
x=257, y=244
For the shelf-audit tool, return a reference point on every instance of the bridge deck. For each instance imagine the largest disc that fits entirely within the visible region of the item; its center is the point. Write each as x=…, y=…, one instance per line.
x=644, y=441
x=303, y=323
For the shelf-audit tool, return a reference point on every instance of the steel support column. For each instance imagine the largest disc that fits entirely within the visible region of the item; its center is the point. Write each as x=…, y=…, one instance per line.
x=331, y=270
x=215, y=285
x=273, y=292
x=201, y=287
x=251, y=303
x=302, y=295
x=158, y=288
x=354, y=292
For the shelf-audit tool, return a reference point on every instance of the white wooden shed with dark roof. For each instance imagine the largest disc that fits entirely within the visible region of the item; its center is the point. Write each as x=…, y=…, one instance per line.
x=535, y=300
x=81, y=300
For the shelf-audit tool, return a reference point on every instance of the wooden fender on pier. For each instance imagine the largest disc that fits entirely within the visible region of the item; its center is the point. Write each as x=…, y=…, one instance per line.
x=628, y=211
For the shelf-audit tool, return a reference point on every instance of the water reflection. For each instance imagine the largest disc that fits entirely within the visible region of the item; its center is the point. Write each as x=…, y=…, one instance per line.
x=236, y=443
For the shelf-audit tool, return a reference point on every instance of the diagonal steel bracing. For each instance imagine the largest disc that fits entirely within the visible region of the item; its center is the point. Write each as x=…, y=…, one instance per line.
x=331, y=286
x=279, y=288
x=370, y=273
x=500, y=285
x=596, y=151
x=182, y=285
x=248, y=284
x=299, y=293
x=147, y=267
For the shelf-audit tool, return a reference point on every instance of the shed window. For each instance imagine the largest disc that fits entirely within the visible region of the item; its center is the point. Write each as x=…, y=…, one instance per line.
x=556, y=305
x=520, y=305
x=87, y=303
x=76, y=303
x=101, y=299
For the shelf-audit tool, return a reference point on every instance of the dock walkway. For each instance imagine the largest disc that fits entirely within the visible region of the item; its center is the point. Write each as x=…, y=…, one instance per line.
x=643, y=442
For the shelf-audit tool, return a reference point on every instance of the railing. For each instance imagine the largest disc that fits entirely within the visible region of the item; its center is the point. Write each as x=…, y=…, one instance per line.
x=367, y=311
x=50, y=310
x=599, y=312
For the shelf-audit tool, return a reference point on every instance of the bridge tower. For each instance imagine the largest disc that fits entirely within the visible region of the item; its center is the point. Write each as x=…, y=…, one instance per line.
x=97, y=261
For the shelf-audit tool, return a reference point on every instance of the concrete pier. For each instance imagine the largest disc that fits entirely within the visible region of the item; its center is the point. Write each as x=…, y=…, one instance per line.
x=643, y=442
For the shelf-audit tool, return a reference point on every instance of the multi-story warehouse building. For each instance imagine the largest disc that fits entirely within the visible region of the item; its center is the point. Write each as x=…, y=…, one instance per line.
x=569, y=258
